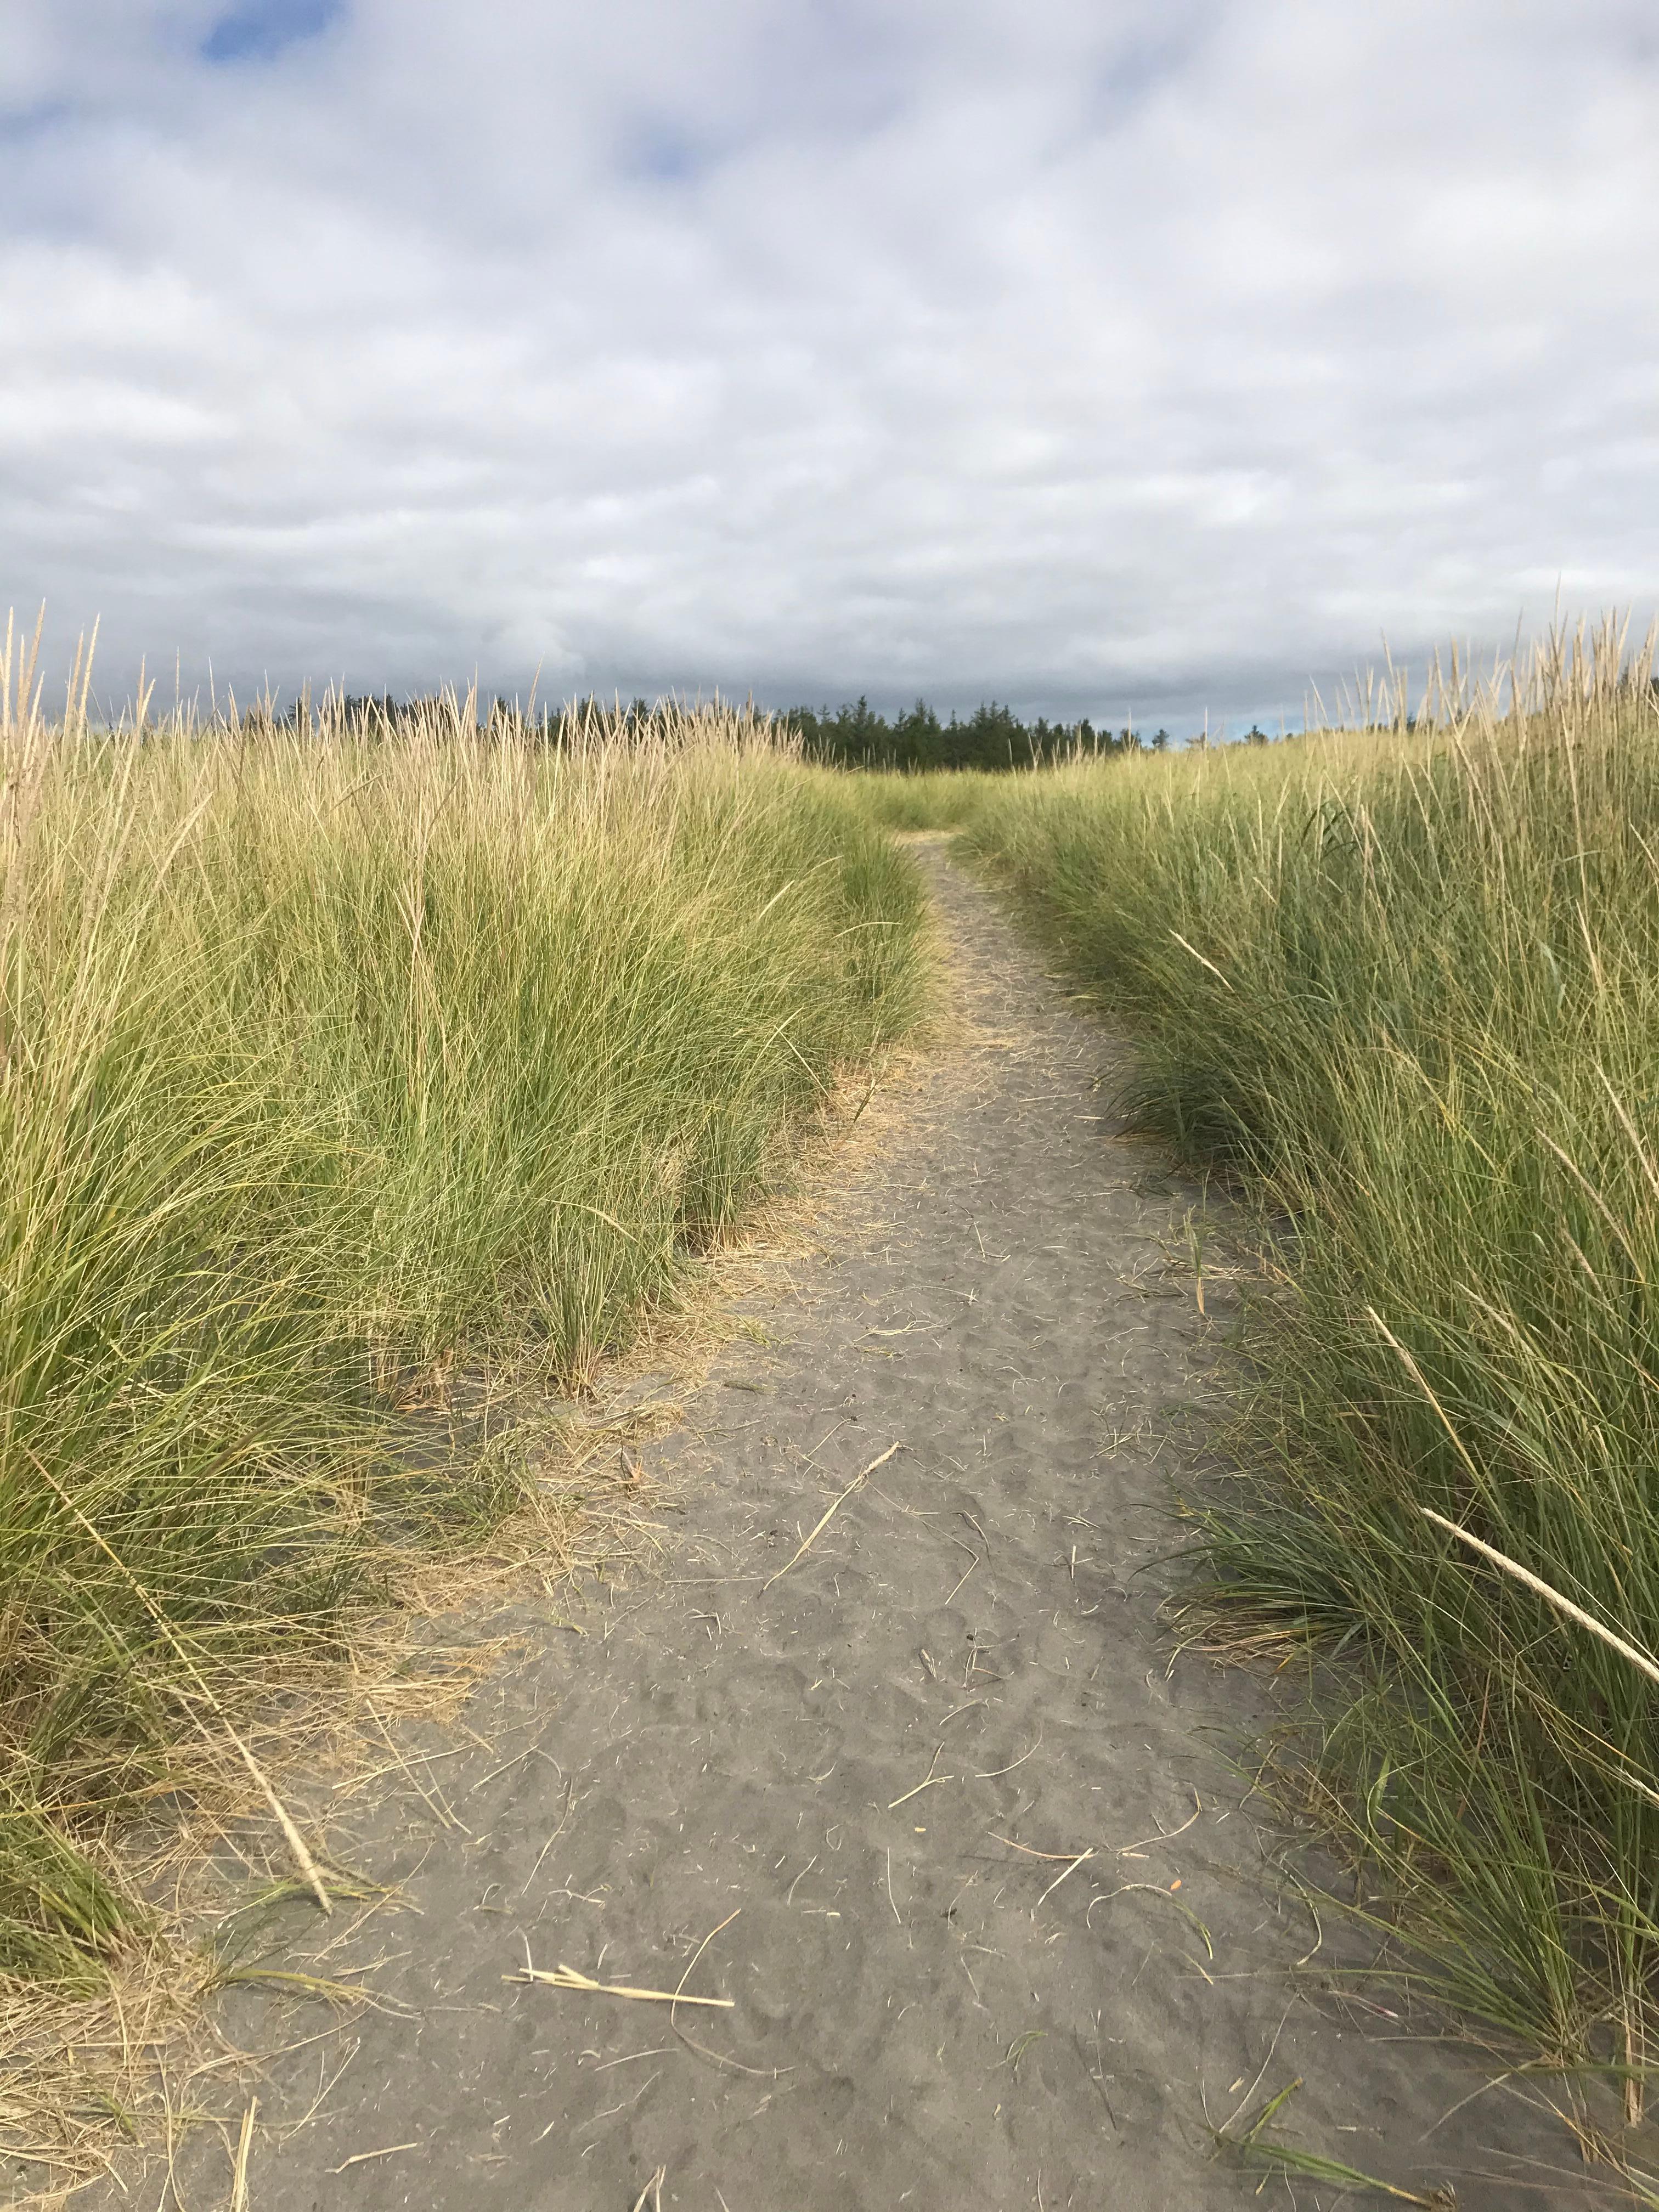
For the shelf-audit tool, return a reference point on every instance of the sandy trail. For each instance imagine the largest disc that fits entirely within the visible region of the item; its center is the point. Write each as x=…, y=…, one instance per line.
x=966, y=1661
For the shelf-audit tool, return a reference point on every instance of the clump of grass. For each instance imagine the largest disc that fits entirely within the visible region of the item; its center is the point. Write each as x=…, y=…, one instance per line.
x=1401, y=984
x=924, y=798
x=328, y=1052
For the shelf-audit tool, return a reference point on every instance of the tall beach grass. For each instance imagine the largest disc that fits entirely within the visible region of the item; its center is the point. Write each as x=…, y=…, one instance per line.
x=327, y=1053
x=906, y=799
x=1402, y=985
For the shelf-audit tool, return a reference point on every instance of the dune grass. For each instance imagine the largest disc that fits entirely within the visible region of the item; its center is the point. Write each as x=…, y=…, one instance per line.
x=925, y=798
x=1403, y=985
x=324, y=1057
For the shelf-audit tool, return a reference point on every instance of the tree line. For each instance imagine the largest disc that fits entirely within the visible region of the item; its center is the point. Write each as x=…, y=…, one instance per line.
x=852, y=735
x=992, y=737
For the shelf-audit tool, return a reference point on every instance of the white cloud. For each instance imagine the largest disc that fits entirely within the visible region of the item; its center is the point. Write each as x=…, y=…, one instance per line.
x=1099, y=353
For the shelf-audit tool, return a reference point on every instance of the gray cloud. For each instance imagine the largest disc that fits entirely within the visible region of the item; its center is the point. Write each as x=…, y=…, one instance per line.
x=1100, y=356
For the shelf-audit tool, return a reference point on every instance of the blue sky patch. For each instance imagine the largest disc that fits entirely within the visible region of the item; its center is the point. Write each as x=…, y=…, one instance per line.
x=1143, y=66
x=259, y=30
x=20, y=125
x=664, y=154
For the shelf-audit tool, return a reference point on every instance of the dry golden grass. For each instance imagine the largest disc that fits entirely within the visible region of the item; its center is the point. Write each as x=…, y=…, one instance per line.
x=379, y=1099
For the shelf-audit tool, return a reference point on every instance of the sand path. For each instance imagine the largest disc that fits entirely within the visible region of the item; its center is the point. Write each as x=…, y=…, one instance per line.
x=966, y=1660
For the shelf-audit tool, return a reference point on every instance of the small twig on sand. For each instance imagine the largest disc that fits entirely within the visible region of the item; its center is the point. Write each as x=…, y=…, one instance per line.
x=1055, y=1857
x=1059, y=1878
x=1151, y=1889
x=567, y=1978
x=1073, y=1861
x=244, y=2145
x=367, y=2157
x=805, y=1545
x=717, y=2058
x=960, y=1579
x=926, y=1784
x=997, y=1771
x=652, y=2191
x=1164, y=1836
x=697, y=1955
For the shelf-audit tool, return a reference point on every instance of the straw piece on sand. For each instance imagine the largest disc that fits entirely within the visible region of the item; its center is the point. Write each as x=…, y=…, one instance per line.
x=364, y=2157
x=803, y=1548
x=244, y=2145
x=652, y=2190
x=567, y=1978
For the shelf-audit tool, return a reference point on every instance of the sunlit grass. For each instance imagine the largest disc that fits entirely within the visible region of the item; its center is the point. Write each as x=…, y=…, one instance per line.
x=1403, y=984
x=324, y=1056
x=926, y=799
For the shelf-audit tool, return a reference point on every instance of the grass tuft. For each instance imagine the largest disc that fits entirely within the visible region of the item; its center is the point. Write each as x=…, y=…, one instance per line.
x=928, y=799
x=331, y=1053
x=1400, y=984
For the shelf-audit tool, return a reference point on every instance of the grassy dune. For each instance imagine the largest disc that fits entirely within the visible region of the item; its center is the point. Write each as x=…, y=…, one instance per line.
x=926, y=799
x=323, y=1059
x=1404, y=985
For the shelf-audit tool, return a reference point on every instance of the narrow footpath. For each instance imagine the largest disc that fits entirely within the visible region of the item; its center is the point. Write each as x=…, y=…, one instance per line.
x=933, y=1804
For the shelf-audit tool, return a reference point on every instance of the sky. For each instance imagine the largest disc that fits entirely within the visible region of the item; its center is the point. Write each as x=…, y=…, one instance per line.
x=1132, y=357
